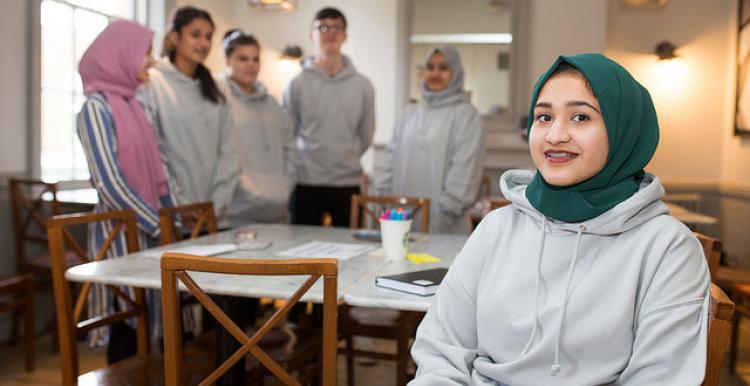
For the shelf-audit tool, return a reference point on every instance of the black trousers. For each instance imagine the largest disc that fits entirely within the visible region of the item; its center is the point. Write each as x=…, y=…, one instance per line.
x=308, y=203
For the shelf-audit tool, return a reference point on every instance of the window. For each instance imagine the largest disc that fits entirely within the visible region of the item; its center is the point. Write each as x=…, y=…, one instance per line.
x=68, y=28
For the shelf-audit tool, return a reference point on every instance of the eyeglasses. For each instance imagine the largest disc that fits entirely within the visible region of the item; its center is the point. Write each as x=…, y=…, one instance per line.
x=333, y=28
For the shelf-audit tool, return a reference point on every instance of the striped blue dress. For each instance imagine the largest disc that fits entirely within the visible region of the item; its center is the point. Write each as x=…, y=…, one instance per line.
x=97, y=134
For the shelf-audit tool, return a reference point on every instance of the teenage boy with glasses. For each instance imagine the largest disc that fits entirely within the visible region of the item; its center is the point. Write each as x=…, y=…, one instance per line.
x=332, y=107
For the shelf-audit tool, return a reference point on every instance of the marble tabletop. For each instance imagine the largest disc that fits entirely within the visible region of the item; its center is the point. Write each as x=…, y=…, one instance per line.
x=356, y=275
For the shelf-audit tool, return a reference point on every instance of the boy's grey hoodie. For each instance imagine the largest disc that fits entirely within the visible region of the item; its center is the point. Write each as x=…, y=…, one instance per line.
x=334, y=121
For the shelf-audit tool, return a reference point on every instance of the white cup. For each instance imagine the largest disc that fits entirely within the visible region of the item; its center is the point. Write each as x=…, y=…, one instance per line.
x=395, y=237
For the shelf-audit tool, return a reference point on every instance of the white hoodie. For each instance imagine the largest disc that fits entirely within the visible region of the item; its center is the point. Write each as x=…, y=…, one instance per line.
x=618, y=299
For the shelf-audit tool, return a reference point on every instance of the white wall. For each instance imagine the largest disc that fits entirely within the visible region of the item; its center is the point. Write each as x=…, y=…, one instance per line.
x=692, y=93
x=561, y=28
x=462, y=16
x=13, y=94
x=371, y=45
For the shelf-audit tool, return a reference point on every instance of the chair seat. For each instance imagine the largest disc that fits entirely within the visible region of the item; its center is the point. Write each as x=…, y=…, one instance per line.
x=726, y=277
x=374, y=316
x=145, y=371
x=44, y=261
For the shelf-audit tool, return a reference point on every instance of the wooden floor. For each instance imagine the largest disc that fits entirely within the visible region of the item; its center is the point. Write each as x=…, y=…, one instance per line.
x=47, y=371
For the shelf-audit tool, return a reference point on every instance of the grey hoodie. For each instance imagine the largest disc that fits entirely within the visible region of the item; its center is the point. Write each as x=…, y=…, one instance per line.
x=437, y=151
x=262, y=134
x=194, y=135
x=334, y=121
x=619, y=299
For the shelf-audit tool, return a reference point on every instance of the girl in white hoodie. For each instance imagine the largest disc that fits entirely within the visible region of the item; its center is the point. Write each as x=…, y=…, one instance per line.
x=585, y=279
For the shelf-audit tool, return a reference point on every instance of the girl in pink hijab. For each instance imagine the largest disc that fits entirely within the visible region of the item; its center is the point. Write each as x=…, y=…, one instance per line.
x=122, y=151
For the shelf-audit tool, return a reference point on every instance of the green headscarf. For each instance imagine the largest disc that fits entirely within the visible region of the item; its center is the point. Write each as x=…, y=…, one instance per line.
x=632, y=131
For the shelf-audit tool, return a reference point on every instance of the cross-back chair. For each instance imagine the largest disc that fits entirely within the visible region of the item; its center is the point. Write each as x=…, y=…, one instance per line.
x=70, y=314
x=376, y=323
x=372, y=206
x=712, y=250
x=21, y=288
x=196, y=218
x=144, y=368
x=496, y=203
x=176, y=267
x=32, y=203
x=720, y=316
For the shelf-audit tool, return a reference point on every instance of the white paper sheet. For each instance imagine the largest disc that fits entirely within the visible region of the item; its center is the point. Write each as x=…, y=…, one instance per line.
x=315, y=249
x=200, y=250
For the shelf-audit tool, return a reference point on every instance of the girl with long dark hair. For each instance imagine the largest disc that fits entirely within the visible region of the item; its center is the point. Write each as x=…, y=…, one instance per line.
x=190, y=113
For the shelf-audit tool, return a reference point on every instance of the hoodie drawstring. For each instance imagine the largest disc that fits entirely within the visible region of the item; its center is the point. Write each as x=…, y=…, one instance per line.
x=536, y=288
x=555, y=369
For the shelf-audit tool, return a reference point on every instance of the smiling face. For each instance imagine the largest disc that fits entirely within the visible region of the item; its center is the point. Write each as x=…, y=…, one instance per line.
x=568, y=139
x=438, y=72
x=193, y=42
x=329, y=35
x=245, y=64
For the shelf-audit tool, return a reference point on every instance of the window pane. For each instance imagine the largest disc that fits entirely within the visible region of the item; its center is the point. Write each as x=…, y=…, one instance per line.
x=57, y=135
x=119, y=8
x=57, y=46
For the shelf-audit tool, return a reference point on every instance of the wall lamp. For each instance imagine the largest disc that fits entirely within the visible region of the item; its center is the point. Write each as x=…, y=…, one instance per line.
x=291, y=53
x=665, y=50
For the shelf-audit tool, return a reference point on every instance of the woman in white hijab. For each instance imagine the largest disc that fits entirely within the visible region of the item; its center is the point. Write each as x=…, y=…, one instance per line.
x=437, y=146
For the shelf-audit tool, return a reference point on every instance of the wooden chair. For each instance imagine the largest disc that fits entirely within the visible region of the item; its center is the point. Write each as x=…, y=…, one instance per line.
x=22, y=288
x=199, y=218
x=371, y=206
x=496, y=203
x=32, y=203
x=720, y=316
x=404, y=323
x=137, y=370
x=691, y=201
x=175, y=266
x=712, y=251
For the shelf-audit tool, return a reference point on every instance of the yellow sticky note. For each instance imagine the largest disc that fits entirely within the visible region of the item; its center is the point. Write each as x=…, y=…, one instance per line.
x=422, y=258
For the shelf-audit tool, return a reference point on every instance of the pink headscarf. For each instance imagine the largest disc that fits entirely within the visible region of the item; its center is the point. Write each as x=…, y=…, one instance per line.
x=110, y=66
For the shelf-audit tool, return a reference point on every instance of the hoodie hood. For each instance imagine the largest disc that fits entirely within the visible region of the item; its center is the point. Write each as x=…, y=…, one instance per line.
x=642, y=206
x=173, y=74
x=454, y=91
x=346, y=72
x=258, y=94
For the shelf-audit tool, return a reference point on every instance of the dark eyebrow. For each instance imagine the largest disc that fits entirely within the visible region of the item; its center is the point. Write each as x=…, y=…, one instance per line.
x=582, y=103
x=544, y=105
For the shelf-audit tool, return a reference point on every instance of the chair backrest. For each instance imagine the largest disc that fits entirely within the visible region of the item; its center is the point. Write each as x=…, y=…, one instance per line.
x=485, y=188
x=364, y=186
x=69, y=313
x=32, y=203
x=712, y=250
x=176, y=266
x=720, y=314
x=196, y=218
x=372, y=206
x=498, y=203
x=691, y=201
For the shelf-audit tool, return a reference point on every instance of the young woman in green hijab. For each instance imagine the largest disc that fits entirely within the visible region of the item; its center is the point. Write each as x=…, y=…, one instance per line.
x=585, y=279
